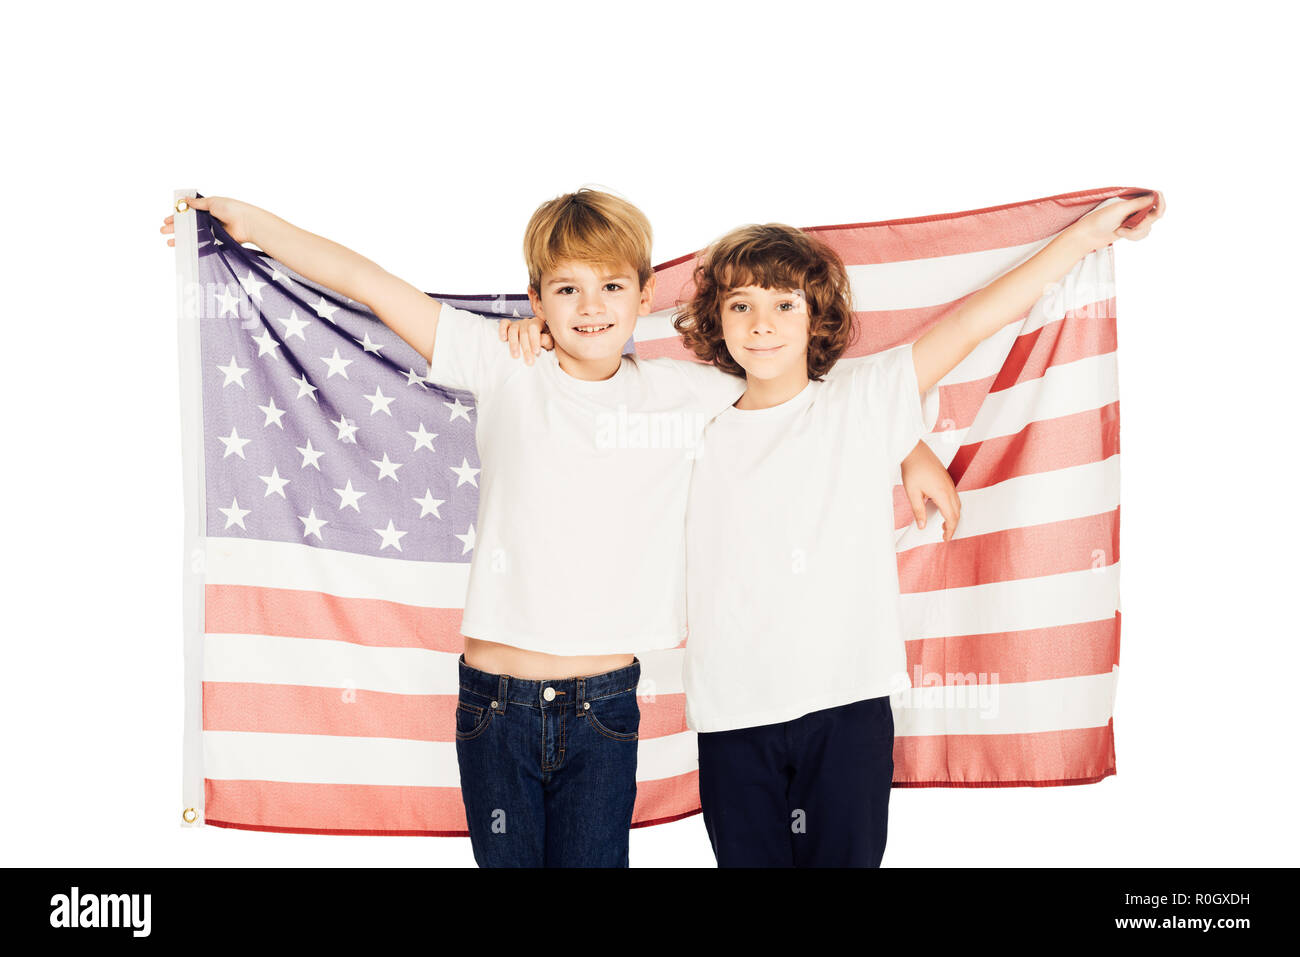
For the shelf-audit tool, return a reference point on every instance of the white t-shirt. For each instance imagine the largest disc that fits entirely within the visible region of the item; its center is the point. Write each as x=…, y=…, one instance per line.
x=580, y=537
x=791, y=561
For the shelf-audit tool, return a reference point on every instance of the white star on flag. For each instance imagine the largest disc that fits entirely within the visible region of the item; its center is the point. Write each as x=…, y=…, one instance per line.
x=234, y=373
x=310, y=456
x=272, y=413
x=274, y=484
x=349, y=497
x=391, y=536
x=468, y=540
x=252, y=286
x=293, y=326
x=367, y=345
x=423, y=439
x=266, y=344
x=457, y=409
x=347, y=431
x=338, y=365
x=387, y=469
x=235, y=514
x=428, y=504
x=234, y=444
x=380, y=402
x=312, y=525
x=325, y=310
x=229, y=303
x=465, y=473
x=305, y=388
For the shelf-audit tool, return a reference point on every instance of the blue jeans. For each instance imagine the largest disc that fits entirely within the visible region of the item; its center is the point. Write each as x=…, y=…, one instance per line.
x=812, y=792
x=548, y=768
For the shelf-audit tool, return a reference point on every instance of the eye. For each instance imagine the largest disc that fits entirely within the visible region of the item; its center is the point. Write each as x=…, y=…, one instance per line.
x=563, y=289
x=738, y=306
x=617, y=286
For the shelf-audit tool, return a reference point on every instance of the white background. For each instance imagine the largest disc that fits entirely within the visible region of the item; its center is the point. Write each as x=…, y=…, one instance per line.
x=425, y=139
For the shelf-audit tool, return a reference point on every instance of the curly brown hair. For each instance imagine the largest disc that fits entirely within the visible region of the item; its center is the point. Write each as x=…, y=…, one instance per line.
x=771, y=256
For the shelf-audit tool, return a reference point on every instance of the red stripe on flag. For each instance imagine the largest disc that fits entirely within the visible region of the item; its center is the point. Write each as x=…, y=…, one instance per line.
x=666, y=799
x=352, y=712
x=1040, y=759
x=364, y=809
x=294, y=613
x=1034, y=654
x=1080, y=334
x=335, y=808
x=1052, y=548
x=1078, y=439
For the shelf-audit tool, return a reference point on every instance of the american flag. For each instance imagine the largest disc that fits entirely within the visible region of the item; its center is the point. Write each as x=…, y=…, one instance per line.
x=331, y=496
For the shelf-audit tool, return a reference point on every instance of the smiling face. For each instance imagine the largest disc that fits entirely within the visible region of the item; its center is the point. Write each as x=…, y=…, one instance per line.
x=766, y=332
x=591, y=311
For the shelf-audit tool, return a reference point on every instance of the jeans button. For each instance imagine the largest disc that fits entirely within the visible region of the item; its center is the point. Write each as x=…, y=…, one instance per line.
x=549, y=694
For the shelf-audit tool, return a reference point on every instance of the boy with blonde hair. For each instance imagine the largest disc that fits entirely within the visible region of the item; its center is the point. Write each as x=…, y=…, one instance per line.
x=578, y=554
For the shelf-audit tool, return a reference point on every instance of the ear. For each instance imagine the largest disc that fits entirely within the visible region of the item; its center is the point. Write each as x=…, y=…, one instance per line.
x=647, y=295
x=535, y=301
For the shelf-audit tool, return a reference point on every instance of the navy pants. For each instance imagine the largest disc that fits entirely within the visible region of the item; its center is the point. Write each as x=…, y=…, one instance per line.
x=548, y=768
x=812, y=792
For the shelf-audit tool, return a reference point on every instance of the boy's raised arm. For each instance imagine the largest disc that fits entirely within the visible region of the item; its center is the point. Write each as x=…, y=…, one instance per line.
x=399, y=305
x=1010, y=296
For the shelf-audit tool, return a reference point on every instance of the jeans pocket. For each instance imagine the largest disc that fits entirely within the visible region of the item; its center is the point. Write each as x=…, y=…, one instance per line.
x=616, y=716
x=471, y=720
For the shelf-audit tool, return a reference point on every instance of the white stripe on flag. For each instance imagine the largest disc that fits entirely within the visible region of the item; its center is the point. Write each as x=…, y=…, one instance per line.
x=1069, y=598
x=240, y=561
x=657, y=325
x=1066, y=389
x=1028, y=500
x=326, y=663
x=1023, y=707
x=933, y=281
x=341, y=759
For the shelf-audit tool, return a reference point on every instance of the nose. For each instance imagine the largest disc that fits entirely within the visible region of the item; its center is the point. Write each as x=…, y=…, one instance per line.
x=761, y=322
x=590, y=304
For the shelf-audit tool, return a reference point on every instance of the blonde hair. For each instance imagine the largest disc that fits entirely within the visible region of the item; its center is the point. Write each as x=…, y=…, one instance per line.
x=587, y=226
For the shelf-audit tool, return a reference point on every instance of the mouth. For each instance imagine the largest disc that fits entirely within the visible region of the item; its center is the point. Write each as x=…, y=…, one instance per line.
x=594, y=329
x=763, y=352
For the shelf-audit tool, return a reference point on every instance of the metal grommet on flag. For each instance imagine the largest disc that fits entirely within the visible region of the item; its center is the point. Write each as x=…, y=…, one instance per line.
x=189, y=815
x=181, y=205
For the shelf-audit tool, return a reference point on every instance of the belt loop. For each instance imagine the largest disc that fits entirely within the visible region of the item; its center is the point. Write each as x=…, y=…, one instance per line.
x=503, y=686
x=582, y=695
